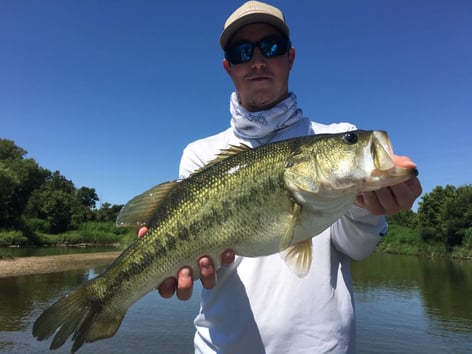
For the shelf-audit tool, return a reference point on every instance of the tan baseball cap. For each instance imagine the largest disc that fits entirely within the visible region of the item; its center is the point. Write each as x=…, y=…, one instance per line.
x=253, y=12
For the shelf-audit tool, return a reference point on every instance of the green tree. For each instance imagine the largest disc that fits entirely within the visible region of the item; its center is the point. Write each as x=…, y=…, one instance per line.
x=87, y=197
x=56, y=208
x=431, y=214
x=445, y=214
x=458, y=215
x=19, y=177
x=108, y=212
x=10, y=151
x=467, y=242
x=58, y=182
x=55, y=201
x=9, y=183
x=49, y=201
x=406, y=218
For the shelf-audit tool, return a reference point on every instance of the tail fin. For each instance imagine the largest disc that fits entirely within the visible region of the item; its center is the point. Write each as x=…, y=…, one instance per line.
x=77, y=313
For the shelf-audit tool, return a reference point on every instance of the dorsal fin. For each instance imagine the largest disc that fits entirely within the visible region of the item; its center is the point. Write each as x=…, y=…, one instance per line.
x=140, y=210
x=224, y=154
x=233, y=150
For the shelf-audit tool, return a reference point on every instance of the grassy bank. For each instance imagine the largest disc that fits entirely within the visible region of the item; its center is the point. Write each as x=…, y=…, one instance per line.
x=91, y=233
x=400, y=240
x=404, y=240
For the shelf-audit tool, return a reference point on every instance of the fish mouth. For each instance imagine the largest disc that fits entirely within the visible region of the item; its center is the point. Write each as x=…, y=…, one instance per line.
x=384, y=167
x=381, y=151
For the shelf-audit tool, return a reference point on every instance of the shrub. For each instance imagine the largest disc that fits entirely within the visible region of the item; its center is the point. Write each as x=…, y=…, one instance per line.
x=12, y=238
x=38, y=225
x=467, y=241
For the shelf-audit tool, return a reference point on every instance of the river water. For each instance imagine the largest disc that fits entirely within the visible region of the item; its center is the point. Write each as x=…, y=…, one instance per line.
x=404, y=305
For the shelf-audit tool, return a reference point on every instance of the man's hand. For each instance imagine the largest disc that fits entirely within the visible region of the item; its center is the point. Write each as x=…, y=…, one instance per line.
x=183, y=284
x=391, y=200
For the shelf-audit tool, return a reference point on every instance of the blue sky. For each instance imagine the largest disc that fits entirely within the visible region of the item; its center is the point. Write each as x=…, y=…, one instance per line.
x=109, y=92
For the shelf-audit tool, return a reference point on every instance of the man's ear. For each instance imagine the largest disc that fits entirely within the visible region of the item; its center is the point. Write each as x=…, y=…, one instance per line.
x=291, y=57
x=227, y=66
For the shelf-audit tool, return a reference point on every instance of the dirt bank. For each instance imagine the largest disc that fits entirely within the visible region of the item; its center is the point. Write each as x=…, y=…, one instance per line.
x=51, y=264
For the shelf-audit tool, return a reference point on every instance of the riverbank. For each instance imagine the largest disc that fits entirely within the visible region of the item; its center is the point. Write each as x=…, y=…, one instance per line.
x=95, y=233
x=51, y=264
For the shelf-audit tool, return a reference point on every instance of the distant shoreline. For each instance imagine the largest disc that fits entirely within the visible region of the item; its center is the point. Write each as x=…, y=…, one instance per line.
x=20, y=266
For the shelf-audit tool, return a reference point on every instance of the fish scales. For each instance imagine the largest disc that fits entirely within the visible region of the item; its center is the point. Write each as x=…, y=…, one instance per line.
x=217, y=210
x=255, y=201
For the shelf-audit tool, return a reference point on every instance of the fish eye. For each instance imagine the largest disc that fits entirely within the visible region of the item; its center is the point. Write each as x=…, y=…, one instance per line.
x=350, y=137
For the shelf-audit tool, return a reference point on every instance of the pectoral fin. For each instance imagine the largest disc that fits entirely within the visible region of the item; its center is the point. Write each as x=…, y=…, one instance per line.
x=286, y=239
x=298, y=257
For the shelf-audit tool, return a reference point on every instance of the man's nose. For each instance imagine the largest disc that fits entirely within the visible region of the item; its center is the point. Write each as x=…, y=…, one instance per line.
x=258, y=60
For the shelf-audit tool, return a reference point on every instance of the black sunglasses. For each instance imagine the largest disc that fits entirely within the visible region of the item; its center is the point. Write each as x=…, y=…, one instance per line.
x=242, y=52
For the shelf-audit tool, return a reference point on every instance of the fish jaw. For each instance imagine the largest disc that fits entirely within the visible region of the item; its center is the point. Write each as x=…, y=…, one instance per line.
x=380, y=159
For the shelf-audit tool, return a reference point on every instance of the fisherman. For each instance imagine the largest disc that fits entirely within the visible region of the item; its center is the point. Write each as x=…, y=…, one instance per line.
x=257, y=305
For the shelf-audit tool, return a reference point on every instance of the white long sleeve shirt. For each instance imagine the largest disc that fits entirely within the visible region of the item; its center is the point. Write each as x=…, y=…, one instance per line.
x=259, y=305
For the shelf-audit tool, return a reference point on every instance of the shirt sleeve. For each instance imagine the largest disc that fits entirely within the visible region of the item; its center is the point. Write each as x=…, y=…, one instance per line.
x=358, y=232
x=198, y=153
x=189, y=162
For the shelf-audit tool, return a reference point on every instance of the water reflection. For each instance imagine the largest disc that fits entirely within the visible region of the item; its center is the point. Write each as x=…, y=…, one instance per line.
x=151, y=325
x=446, y=288
x=403, y=304
x=421, y=304
x=22, y=296
x=444, y=285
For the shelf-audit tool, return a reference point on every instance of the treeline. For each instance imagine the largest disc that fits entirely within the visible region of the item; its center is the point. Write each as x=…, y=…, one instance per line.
x=443, y=224
x=38, y=200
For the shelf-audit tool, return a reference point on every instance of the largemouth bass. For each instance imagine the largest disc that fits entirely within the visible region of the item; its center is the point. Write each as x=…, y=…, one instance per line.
x=260, y=201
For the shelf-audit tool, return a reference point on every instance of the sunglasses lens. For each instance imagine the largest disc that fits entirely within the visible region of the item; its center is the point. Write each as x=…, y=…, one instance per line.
x=273, y=47
x=240, y=53
x=270, y=47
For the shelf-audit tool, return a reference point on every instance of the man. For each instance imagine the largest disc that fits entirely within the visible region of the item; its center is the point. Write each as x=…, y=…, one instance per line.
x=257, y=305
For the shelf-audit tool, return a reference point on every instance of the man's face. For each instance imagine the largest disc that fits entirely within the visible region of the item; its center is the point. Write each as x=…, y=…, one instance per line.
x=261, y=82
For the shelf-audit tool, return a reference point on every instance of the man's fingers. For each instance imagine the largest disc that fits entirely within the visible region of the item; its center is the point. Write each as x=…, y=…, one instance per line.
x=184, y=283
x=391, y=200
x=167, y=288
x=227, y=258
x=370, y=201
x=142, y=231
x=207, y=272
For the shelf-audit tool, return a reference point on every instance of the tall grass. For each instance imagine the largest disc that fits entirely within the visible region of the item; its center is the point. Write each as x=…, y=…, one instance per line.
x=96, y=233
x=12, y=238
x=401, y=239
x=91, y=233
